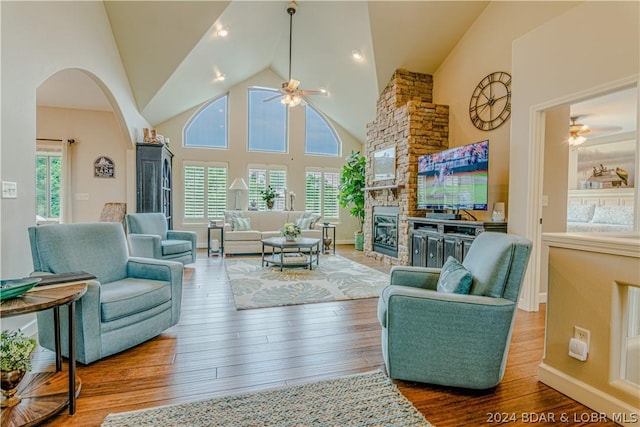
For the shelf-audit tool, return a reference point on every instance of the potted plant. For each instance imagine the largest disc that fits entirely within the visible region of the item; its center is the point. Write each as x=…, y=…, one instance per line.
x=269, y=195
x=15, y=362
x=351, y=191
x=291, y=231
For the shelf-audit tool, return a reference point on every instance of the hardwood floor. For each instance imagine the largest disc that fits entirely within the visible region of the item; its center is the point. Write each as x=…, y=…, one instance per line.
x=216, y=350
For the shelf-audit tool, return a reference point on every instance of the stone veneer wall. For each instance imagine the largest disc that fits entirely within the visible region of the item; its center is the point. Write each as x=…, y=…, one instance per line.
x=407, y=119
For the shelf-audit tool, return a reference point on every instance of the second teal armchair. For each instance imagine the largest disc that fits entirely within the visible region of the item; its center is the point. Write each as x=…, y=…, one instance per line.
x=150, y=238
x=454, y=339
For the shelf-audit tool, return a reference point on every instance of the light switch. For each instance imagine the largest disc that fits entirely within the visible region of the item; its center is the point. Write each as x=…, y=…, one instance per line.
x=9, y=190
x=82, y=196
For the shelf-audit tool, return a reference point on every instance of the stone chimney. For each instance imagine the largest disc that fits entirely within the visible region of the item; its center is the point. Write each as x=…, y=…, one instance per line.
x=406, y=119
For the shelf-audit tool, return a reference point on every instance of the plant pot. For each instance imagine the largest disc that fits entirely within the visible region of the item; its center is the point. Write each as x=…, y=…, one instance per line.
x=269, y=204
x=289, y=238
x=358, y=240
x=10, y=381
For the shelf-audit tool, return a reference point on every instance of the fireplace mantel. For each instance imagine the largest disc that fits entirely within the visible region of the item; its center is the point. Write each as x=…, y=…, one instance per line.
x=393, y=188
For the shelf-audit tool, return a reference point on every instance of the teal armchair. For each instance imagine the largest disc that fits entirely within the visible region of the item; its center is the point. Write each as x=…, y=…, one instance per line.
x=130, y=301
x=150, y=238
x=453, y=339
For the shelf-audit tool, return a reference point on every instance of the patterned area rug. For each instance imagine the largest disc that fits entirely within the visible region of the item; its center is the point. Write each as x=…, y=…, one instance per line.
x=369, y=399
x=335, y=279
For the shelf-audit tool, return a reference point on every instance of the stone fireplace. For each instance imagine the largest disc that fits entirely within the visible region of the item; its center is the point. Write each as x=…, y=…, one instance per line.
x=407, y=120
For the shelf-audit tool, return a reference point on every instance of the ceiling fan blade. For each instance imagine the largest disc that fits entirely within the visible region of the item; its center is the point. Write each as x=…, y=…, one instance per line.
x=293, y=84
x=272, y=98
x=313, y=92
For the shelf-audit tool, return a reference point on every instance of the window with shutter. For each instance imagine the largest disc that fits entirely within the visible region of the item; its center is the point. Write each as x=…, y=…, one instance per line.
x=205, y=191
x=262, y=176
x=321, y=194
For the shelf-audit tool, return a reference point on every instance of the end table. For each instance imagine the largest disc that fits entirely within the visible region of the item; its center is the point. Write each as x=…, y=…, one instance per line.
x=215, y=227
x=326, y=241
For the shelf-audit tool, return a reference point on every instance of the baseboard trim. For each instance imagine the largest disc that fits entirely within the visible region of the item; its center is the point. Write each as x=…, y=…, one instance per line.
x=616, y=410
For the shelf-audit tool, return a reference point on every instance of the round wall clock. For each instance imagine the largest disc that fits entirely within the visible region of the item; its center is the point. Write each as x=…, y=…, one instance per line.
x=490, y=104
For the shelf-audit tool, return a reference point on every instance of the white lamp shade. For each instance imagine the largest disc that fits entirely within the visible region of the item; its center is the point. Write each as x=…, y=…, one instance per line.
x=238, y=184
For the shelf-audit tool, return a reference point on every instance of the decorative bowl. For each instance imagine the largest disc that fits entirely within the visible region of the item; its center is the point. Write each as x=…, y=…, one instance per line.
x=325, y=223
x=15, y=287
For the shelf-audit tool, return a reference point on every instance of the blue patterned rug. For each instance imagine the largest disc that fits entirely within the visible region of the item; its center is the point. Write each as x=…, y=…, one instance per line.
x=335, y=279
x=369, y=399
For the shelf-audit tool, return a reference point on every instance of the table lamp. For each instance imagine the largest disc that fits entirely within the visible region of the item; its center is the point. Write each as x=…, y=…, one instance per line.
x=239, y=185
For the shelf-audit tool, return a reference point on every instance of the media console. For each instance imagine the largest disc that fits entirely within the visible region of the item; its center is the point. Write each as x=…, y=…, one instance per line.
x=432, y=241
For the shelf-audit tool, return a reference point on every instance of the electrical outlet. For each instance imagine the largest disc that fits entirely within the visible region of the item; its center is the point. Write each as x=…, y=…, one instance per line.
x=582, y=334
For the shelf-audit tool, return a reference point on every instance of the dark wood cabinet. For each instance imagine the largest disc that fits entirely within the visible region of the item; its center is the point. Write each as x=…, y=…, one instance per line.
x=154, y=180
x=432, y=241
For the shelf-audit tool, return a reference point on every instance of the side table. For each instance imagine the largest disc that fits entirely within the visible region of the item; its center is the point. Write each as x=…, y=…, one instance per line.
x=325, y=235
x=43, y=393
x=215, y=227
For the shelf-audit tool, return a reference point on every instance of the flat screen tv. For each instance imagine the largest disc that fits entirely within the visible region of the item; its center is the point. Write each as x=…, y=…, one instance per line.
x=454, y=179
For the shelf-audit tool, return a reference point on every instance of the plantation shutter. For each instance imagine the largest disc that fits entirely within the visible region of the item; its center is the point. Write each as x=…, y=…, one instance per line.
x=194, y=192
x=330, y=204
x=216, y=192
x=278, y=181
x=313, y=187
x=257, y=183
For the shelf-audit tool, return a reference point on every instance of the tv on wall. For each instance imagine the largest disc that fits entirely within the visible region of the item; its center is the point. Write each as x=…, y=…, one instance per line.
x=454, y=179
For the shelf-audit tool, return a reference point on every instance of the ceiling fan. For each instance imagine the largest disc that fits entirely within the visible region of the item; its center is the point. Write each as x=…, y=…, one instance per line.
x=576, y=132
x=289, y=94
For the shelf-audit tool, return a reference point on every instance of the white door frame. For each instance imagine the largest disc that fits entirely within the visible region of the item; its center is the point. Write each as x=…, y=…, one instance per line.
x=530, y=299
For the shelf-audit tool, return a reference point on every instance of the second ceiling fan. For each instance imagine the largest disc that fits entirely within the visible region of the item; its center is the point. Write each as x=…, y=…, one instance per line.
x=289, y=94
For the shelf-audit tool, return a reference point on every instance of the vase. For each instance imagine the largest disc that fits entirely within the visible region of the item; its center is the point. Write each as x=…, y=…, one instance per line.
x=327, y=244
x=10, y=381
x=289, y=238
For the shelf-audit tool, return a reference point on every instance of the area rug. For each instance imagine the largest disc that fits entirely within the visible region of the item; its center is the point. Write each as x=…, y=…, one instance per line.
x=335, y=279
x=369, y=399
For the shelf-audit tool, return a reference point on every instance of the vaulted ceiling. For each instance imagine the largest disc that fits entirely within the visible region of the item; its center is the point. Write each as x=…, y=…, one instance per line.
x=173, y=55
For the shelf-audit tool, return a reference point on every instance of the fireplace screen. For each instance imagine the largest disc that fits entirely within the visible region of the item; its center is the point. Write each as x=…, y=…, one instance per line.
x=385, y=233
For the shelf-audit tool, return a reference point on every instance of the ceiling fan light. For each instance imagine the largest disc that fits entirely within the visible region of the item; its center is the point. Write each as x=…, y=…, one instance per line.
x=576, y=139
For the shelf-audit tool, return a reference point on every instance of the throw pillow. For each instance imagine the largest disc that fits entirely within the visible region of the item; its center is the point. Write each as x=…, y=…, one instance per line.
x=241, y=224
x=314, y=218
x=454, y=278
x=304, y=223
x=580, y=213
x=230, y=216
x=620, y=215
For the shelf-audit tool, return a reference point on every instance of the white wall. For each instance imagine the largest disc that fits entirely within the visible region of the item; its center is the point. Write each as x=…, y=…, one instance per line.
x=485, y=48
x=594, y=46
x=238, y=158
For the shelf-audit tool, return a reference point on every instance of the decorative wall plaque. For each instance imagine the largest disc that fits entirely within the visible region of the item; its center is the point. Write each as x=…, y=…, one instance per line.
x=104, y=167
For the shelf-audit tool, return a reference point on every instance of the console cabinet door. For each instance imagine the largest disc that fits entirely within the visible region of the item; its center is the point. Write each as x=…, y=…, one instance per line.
x=154, y=180
x=434, y=250
x=418, y=254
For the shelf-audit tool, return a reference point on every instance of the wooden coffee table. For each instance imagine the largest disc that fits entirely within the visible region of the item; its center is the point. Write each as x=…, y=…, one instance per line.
x=278, y=258
x=44, y=394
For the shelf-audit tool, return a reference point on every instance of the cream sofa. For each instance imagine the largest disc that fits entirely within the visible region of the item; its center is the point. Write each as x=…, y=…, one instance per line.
x=261, y=225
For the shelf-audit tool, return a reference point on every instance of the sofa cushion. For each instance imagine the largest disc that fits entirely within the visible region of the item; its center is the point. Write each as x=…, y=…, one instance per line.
x=454, y=278
x=171, y=247
x=129, y=296
x=243, y=235
x=241, y=224
x=490, y=272
x=621, y=215
x=580, y=213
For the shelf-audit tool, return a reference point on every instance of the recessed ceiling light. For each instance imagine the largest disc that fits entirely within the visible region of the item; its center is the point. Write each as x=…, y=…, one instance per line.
x=357, y=55
x=223, y=32
x=219, y=77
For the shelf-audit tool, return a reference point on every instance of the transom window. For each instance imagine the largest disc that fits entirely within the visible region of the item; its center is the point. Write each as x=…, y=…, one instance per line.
x=205, y=190
x=321, y=195
x=260, y=177
x=319, y=136
x=267, y=122
x=208, y=128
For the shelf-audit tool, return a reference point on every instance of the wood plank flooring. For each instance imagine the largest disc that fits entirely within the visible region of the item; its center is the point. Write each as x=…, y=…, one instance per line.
x=216, y=350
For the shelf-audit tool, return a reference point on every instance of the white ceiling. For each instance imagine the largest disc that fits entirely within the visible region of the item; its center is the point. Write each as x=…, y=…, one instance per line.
x=172, y=55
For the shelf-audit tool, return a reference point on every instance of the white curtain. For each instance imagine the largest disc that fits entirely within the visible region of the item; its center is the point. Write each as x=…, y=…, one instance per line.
x=66, y=211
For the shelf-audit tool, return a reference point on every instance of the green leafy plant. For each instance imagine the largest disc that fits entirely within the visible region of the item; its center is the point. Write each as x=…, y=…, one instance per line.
x=352, y=184
x=15, y=351
x=268, y=194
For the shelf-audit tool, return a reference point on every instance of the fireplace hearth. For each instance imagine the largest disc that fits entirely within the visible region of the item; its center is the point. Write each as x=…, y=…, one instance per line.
x=385, y=230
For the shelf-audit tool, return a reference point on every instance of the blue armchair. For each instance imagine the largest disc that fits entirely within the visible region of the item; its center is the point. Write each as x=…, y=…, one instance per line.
x=149, y=238
x=130, y=301
x=454, y=339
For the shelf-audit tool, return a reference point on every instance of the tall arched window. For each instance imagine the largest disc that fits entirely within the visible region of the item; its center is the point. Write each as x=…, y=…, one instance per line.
x=208, y=128
x=267, y=122
x=319, y=136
